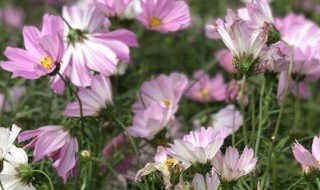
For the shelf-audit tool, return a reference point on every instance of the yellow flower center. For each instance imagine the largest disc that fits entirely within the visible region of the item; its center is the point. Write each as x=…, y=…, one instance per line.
x=167, y=102
x=155, y=22
x=204, y=93
x=170, y=162
x=46, y=62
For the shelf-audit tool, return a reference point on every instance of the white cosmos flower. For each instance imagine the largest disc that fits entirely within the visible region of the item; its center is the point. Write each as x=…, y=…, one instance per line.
x=10, y=176
x=7, y=138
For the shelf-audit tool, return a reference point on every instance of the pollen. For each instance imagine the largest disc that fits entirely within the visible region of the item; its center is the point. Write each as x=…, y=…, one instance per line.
x=155, y=22
x=171, y=162
x=167, y=102
x=204, y=93
x=46, y=62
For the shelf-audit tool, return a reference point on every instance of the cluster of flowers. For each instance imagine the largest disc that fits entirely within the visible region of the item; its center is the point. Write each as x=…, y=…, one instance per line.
x=81, y=46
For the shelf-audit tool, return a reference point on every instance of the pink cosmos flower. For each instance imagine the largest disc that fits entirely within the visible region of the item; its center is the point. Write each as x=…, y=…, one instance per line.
x=246, y=44
x=149, y=122
x=225, y=58
x=228, y=118
x=12, y=17
x=15, y=95
x=165, y=164
x=260, y=13
x=205, y=89
x=54, y=142
x=303, y=36
x=92, y=47
x=124, y=9
x=92, y=99
x=305, y=158
x=198, y=146
x=211, y=182
x=232, y=166
x=234, y=92
x=164, y=15
x=166, y=90
x=44, y=50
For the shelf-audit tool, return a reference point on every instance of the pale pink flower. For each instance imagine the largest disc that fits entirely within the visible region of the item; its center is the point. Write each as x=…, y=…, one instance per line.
x=93, y=99
x=225, y=58
x=210, y=182
x=304, y=37
x=231, y=166
x=305, y=158
x=246, y=44
x=12, y=17
x=7, y=138
x=15, y=94
x=166, y=90
x=44, y=50
x=92, y=47
x=206, y=89
x=234, y=92
x=149, y=122
x=54, y=142
x=165, y=164
x=164, y=15
x=124, y=9
x=260, y=13
x=198, y=146
x=228, y=118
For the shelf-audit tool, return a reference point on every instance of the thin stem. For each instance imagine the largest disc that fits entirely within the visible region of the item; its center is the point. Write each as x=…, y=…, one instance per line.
x=244, y=127
x=285, y=93
x=2, y=188
x=77, y=96
x=46, y=175
x=260, y=116
x=135, y=149
x=296, y=183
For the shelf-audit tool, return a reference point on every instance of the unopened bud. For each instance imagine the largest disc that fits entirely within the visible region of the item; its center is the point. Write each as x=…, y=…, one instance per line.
x=85, y=155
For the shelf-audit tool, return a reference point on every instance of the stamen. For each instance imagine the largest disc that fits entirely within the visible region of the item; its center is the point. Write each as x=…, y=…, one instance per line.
x=155, y=22
x=204, y=93
x=167, y=102
x=46, y=62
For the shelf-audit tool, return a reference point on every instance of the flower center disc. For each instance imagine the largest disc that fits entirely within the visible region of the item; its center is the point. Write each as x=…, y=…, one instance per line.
x=155, y=22
x=46, y=62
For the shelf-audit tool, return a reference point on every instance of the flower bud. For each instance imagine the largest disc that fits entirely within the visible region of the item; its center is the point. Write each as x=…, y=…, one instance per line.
x=85, y=155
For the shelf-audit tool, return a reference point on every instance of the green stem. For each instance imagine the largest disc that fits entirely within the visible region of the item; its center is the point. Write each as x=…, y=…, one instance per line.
x=275, y=133
x=46, y=175
x=135, y=149
x=296, y=183
x=78, y=98
x=244, y=127
x=2, y=188
x=260, y=116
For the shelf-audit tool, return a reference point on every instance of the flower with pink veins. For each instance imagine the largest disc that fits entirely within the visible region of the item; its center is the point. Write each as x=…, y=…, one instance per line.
x=231, y=166
x=124, y=9
x=225, y=58
x=44, y=50
x=54, y=142
x=260, y=13
x=205, y=89
x=198, y=146
x=165, y=164
x=228, y=118
x=149, y=122
x=234, y=92
x=303, y=36
x=246, y=44
x=93, y=99
x=165, y=90
x=90, y=47
x=308, y=160
x=210, y=182
x=164, y=15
